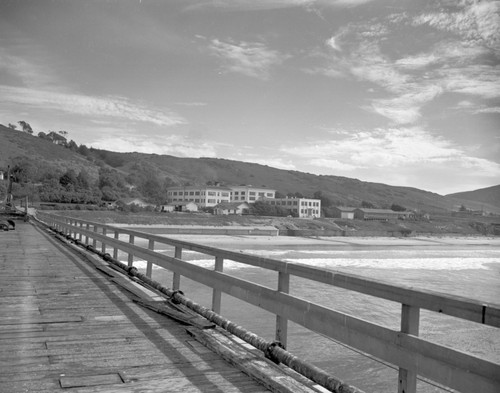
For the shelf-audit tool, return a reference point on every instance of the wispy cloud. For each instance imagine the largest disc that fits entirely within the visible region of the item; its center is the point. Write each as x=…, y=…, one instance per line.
x=20, y=70
x=478, y=22
x=399, y=156
x=191, y=103
x=489, y=110
x=175, y=145
x=117, y=107
x=388, y=148
x=459, y=62
x=247, y=5
x=35, y=84
x=248, y=58
x=279, y=163
x=405, y=108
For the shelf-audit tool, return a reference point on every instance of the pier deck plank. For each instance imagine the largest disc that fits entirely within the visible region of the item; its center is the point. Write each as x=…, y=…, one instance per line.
x=65, y=326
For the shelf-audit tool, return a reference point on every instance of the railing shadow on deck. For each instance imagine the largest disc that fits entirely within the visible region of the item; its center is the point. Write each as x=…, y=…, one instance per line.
x=413, y=356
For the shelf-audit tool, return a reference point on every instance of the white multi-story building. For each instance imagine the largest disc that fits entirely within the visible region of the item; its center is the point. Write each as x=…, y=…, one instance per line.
x=210, y=196
x=301, y=207
x=203, y=196
x=250, y=194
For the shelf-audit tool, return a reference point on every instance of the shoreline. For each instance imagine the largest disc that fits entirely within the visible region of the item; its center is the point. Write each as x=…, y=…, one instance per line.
x=339, y=241
x=260, y=235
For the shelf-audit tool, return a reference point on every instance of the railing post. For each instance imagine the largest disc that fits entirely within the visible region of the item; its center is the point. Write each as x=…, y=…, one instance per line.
x=216, y=294
x=94, y=240
x=115, y=250
x=131, y=256
x=103, y=244
x=176, y=280
x=410, y=320
x=282, y=323
x=87, y=227
x=149, y=264
x=80, y=232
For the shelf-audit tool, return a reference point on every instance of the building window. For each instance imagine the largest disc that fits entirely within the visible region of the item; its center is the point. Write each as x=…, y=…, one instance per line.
x=269, y=195
x=252, y=192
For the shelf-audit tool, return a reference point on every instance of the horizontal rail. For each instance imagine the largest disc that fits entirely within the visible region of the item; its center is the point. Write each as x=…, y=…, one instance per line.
x=444, y=365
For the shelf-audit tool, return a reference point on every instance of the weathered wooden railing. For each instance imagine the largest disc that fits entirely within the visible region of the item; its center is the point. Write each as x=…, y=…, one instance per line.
x=413, y=355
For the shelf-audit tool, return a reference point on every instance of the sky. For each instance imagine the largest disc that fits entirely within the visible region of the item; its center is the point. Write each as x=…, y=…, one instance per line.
x=401, y=92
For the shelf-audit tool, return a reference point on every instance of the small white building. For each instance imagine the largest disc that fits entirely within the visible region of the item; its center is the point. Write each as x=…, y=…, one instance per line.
x=232, y=208
x=346, y=213
x=300, y=207
x=134, y=201
x=180, y=207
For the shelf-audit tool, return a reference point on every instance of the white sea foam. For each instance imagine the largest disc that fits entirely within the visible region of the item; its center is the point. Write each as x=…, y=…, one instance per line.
x=413, y=263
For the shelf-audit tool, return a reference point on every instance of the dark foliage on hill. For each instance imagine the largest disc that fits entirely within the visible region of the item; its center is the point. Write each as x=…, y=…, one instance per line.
x=150, y=174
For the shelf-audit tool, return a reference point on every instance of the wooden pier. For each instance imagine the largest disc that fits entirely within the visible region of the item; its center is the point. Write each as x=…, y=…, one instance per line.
x=67, y=326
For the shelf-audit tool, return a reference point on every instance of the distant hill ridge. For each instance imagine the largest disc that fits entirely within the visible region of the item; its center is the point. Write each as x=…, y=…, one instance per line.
x=488, y=195
x=180, y=170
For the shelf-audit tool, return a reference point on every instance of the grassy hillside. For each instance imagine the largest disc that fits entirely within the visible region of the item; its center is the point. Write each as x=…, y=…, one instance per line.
x=341, y=190
x=180, y=171
x=477, y=199
x=15, y=144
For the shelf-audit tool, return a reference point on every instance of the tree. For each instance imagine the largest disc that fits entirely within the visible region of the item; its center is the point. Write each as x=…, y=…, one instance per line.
x=83, y=150
x=367, y=205
x=24, y=170
x=69, y=178
x=12, y=126
x=325, y=201
x=107, y=177
x=56, y=138
x=83, y=180
x=152, y=187
x=72, y=145
x=26, y=127
x=397, y=208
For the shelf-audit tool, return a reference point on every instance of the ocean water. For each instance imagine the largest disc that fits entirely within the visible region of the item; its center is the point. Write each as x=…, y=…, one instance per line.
x=468, y=270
